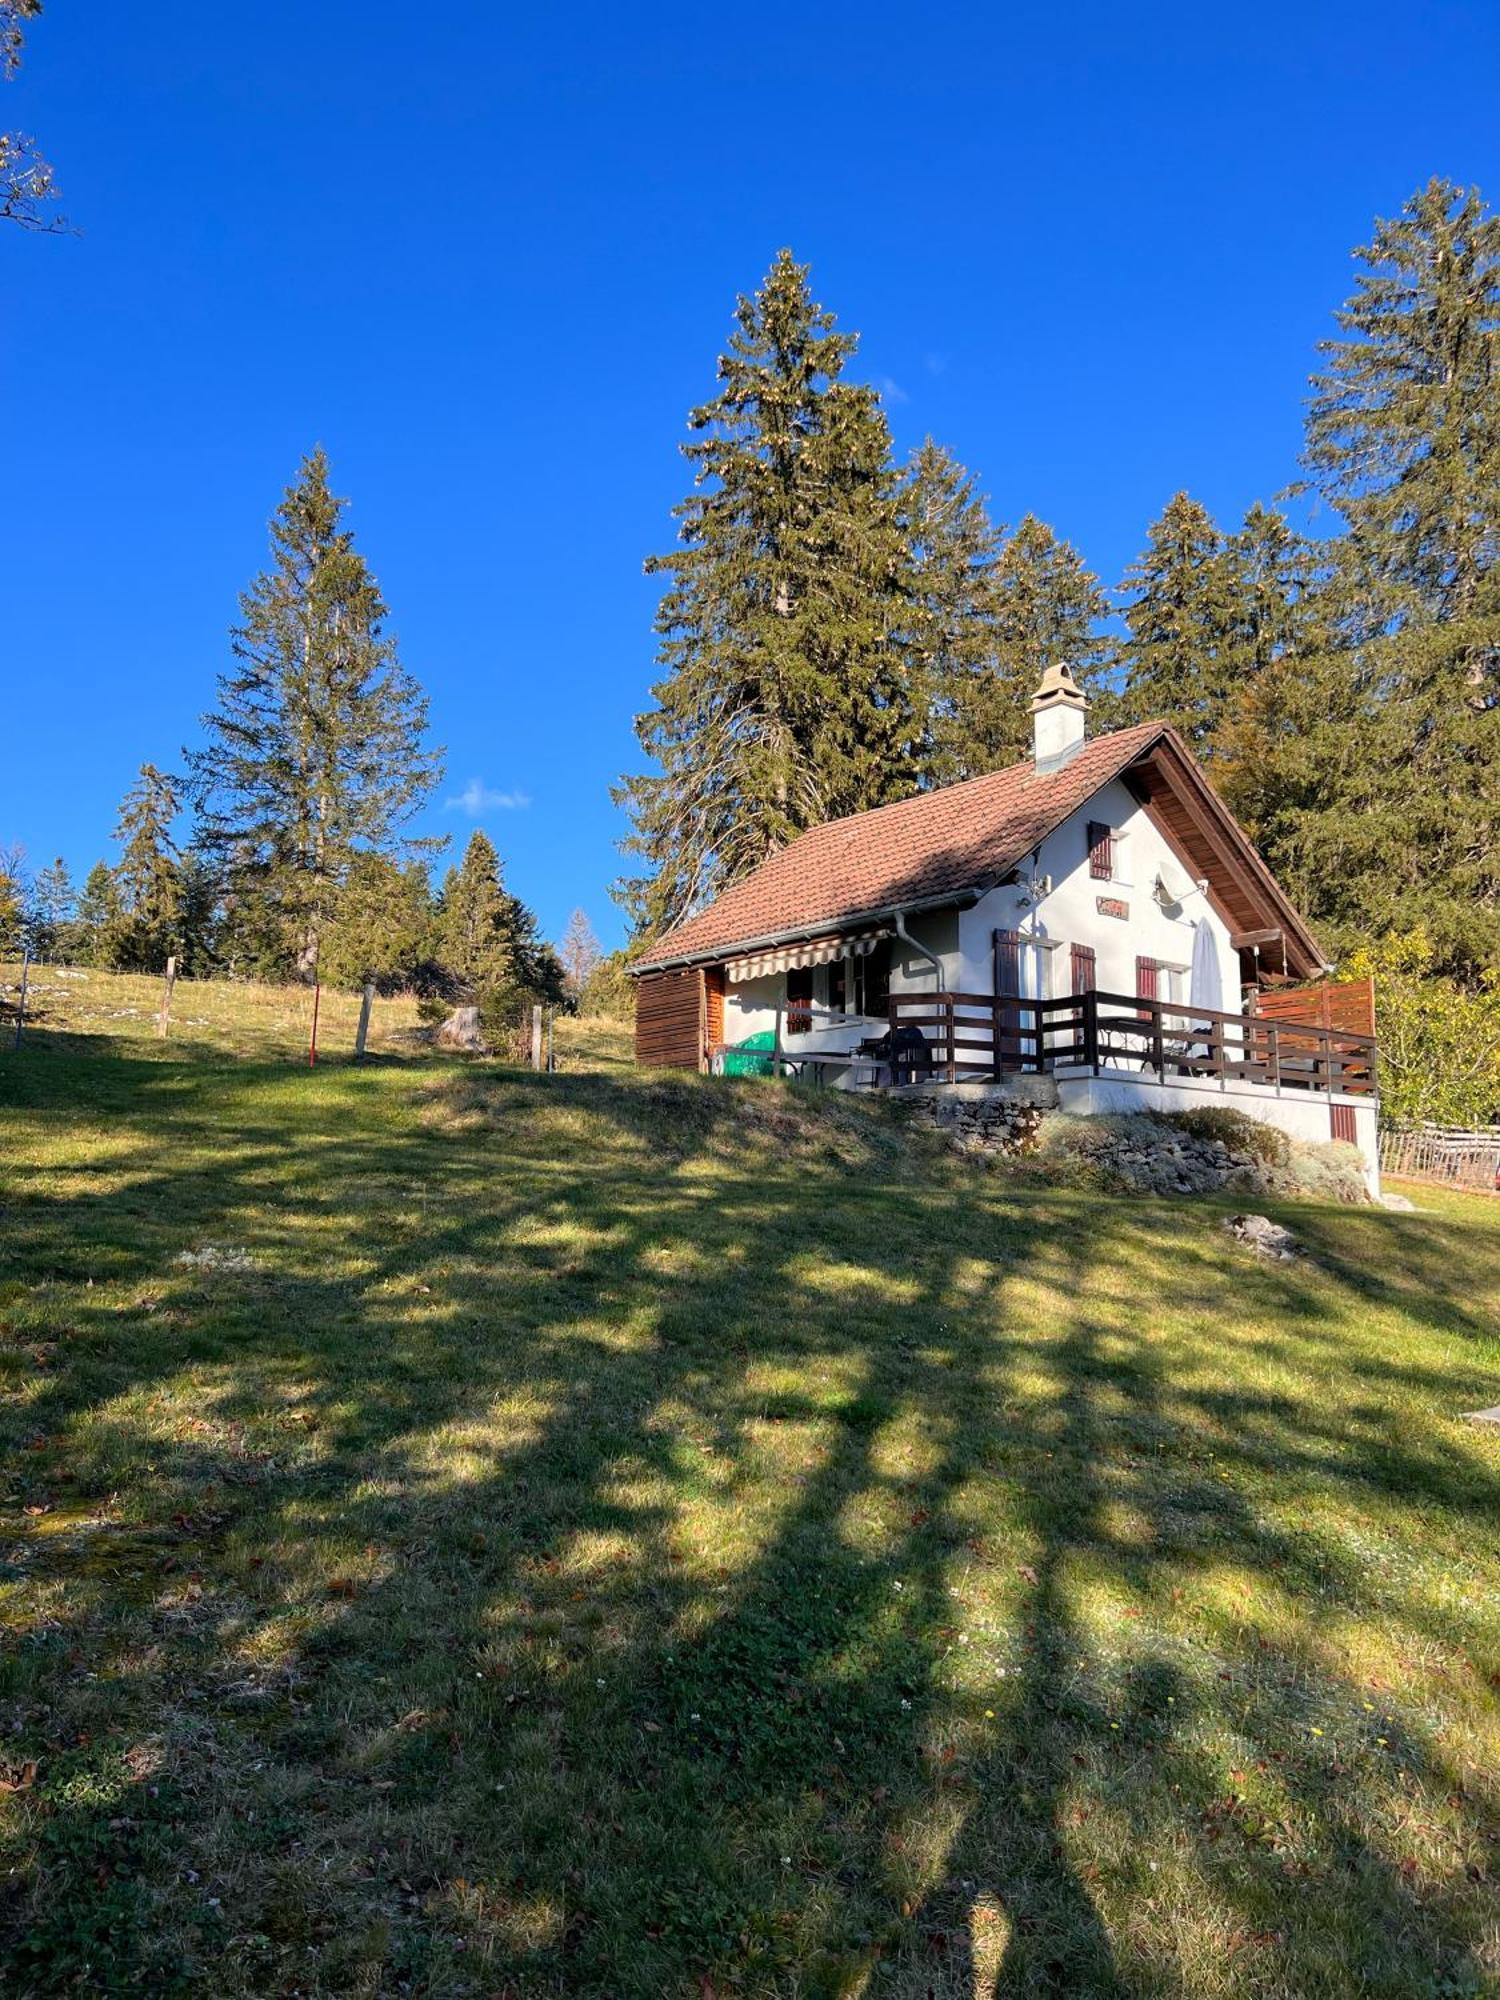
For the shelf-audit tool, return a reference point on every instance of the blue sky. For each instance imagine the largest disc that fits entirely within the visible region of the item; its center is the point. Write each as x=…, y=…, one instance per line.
x=487, y=256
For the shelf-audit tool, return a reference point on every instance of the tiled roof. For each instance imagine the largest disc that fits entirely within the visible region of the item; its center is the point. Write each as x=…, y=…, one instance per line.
x=919, y=850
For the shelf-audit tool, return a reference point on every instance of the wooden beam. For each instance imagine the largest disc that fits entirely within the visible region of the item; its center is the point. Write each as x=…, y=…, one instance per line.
x=1244, y=940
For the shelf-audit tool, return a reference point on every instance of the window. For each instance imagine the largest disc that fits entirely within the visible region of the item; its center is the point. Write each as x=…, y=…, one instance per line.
x=838, y=985
x=1101, y=851
x=872, y=982
x=799, y=993
x=1082, y=956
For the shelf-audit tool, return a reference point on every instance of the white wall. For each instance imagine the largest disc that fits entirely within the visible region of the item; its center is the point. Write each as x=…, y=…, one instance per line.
x=1070, y=914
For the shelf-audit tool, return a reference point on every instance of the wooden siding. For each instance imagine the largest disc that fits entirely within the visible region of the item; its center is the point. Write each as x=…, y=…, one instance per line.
x=671, y=1019
x=1348, y=1004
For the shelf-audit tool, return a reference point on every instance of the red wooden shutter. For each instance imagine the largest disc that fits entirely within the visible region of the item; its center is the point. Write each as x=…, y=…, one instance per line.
x=1082, y=956
x=1008, y=982
x=1101, y=851
x=1146, y=983
x=1007, y=961
x=1341, y=1123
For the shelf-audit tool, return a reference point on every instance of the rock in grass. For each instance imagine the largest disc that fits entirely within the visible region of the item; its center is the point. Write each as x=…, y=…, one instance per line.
x=1261, y=1234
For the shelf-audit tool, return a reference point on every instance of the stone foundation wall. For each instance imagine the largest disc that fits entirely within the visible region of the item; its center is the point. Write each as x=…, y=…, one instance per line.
x=1150, y=1153
x=984, y=1117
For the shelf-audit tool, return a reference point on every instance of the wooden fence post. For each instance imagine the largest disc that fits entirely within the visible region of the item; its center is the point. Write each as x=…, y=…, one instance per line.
x=952, y=1028
x=536, y=1038
x=25, y=982
x=366, y=1002
x=1091, y=1030
x=164, y=1017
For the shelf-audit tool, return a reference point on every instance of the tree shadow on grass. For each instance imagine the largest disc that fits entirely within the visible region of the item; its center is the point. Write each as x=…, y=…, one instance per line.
x=599, y=1578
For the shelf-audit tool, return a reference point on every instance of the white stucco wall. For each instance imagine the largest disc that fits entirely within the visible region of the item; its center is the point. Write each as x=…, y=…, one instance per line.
x=1069, y=914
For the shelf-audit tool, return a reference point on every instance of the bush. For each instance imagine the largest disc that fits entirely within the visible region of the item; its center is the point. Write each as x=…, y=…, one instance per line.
x=1439, y=1042
x=1234, y=1130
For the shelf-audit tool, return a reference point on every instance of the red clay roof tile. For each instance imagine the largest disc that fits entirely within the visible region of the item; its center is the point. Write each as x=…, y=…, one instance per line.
x=937, y=844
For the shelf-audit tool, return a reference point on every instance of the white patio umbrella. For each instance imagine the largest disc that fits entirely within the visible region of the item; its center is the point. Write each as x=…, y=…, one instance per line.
x=1205, y=984
x=1205, y=987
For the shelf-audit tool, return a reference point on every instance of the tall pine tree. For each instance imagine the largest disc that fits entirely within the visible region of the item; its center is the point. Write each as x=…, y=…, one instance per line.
x=1403, y=441
x=1046, y=606
x=150, y=888
x=476, y=923
x=785, y=697
x=1181, y=616
x=50, y=918
x=97, y=920
x=954, y=548
x=315, y=751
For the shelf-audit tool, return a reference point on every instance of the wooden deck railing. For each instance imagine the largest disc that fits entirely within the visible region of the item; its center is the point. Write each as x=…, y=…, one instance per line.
x=973, y=1035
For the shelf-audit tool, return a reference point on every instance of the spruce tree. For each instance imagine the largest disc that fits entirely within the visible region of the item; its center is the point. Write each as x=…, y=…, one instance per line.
x=50, y=918
x=1045, y=606
x=315, y=750
x=954, y=549
x=150, y=889
x=1182, y=618
x=476, y=923
x=97, y=920
x=1403, y=441
x=384, y=926
x=785, y=696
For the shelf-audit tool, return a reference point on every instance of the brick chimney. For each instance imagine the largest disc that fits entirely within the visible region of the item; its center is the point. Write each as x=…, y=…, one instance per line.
x=1058, y=709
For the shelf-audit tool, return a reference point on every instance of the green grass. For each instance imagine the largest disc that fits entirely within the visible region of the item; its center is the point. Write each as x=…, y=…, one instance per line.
x=626, y=1536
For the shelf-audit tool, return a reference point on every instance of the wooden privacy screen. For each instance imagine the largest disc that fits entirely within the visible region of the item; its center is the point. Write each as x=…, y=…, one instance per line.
x=1347, y=1004
x=678, y=1017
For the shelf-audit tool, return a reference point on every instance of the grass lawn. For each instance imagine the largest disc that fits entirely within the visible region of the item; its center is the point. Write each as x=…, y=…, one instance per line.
x=467, y=1533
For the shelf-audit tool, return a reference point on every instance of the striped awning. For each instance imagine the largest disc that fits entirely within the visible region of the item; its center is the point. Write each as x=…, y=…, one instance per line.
x=814, y=951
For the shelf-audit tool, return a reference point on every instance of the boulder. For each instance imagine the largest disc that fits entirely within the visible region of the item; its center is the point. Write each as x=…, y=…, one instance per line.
x=1261, y=1234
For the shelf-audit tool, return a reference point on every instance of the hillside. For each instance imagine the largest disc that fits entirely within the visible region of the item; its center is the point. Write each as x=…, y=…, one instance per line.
x=469, y=1533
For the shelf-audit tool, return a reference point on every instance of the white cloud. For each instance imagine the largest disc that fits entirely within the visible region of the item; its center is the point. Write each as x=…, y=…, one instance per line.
x=477, y=797
x=892, y=390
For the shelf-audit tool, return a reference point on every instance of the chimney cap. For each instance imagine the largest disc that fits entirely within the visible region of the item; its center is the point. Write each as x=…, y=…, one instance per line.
x=1058, y=689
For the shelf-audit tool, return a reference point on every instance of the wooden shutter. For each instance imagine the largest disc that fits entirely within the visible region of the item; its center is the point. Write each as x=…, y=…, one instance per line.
x=1082, y=958
x=1341, y=1123
x=1146, y=983
x=1101, y=851
x=1008, y=1047
x=1007, y=962
x=713, y=1010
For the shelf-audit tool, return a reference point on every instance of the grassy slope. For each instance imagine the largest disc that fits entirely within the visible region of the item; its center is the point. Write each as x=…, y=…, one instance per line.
x=632, y=1537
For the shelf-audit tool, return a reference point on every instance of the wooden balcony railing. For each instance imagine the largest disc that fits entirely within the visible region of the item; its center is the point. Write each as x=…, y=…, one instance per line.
x=974, y=1035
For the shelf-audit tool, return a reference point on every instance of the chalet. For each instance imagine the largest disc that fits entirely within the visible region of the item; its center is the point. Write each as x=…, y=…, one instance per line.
x=1093, y=916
